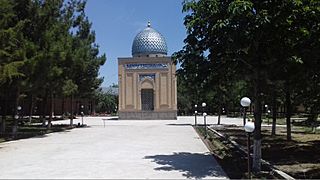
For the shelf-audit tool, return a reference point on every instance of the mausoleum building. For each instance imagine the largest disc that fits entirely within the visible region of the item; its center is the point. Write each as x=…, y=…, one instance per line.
x=147, y=80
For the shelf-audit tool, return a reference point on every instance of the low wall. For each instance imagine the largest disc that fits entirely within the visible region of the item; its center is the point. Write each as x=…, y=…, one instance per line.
x=148, y=115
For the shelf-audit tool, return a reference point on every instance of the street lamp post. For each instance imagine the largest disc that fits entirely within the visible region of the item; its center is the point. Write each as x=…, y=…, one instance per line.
x=19, y=108
x=16, y=117
x=18, y=112
x=249, y=128
x=266, y=112
x=203, y=106
x=205, y=124
x=82, y=114
x=245, y=102
x=195, y=117
x=195, y=114
x=204, y=118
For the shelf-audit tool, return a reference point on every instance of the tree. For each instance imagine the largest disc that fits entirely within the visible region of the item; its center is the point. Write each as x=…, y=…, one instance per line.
x=69, y=89
x=106, y=102
x=12, y=54
x=307, y=47
x=255, y=39
x=40, y=54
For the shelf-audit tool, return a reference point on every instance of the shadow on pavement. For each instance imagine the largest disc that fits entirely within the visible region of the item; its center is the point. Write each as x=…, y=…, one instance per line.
x=112, y=119
x=193, y=165
x=186, y=124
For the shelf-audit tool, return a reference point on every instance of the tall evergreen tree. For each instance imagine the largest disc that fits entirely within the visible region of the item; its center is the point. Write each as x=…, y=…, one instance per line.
x=13, y=50
x=45, y=45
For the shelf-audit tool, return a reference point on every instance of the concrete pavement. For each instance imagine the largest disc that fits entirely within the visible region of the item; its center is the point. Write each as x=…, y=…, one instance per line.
x=160, y=149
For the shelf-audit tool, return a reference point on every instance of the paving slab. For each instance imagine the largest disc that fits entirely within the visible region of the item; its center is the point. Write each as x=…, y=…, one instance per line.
x=157, y=149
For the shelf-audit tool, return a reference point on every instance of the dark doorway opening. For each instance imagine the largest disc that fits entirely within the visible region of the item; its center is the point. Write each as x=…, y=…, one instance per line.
x=147, y=99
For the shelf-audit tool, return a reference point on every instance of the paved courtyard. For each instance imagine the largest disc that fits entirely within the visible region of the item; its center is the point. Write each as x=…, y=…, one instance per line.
x=122, y=149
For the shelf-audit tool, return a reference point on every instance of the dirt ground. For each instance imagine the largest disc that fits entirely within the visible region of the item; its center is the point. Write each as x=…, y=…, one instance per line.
x=233, y=161
x=299, y=157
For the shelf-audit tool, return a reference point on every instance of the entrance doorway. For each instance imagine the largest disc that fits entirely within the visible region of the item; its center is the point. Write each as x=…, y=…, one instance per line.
x=147, y=99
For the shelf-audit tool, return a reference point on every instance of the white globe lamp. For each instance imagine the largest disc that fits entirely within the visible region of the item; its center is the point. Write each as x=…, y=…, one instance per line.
x=245, y=102
x=249, y=127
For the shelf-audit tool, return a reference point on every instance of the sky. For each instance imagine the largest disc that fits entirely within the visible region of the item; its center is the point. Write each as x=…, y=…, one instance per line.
x=117, y=22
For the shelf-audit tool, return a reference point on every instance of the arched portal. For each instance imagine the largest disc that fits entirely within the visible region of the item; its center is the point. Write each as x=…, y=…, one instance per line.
x=147, y=92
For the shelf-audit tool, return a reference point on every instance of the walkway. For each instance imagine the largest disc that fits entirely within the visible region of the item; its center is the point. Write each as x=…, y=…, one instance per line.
x=123, y=149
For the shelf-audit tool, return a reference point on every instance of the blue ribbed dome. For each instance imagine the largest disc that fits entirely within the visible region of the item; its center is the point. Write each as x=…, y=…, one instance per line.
x=149, y=41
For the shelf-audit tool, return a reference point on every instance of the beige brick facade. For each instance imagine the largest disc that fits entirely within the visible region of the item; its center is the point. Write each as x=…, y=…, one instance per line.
x=155, y=74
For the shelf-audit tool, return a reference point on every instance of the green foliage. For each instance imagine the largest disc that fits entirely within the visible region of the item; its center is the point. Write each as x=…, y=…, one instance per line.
x=12, y=44
x=48, y=47
x=261, y=43
x=69, y=88
x=244, y=47
x=10, y=71
x=106, y=102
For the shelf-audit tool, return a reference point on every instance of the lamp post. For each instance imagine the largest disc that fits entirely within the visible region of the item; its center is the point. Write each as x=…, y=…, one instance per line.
x=245, y=102
x=249, y=128
x=266, y=112
x=16, y=117
x=18, y=112
x=195, y=114
x=82, y=114
x=203, y=106
x=205, y=124
x=204, y=118
x=195, y=117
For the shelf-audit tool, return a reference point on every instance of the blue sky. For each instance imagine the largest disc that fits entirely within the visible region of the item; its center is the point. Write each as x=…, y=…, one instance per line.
x=116, y=23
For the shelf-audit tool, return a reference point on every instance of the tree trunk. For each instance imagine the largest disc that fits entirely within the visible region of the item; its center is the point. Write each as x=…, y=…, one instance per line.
x=313, y=116
x=71, y=118
x=15, y=121
x=219, y=114
x=62, y=106
x=288, y=112
x=274, y=113
x=256, y=165
x=3, y=123
x=31, y=108
x=51, y=110
x=44, y=109
x=283, y=111
x=93, y=107
x=4, y=115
